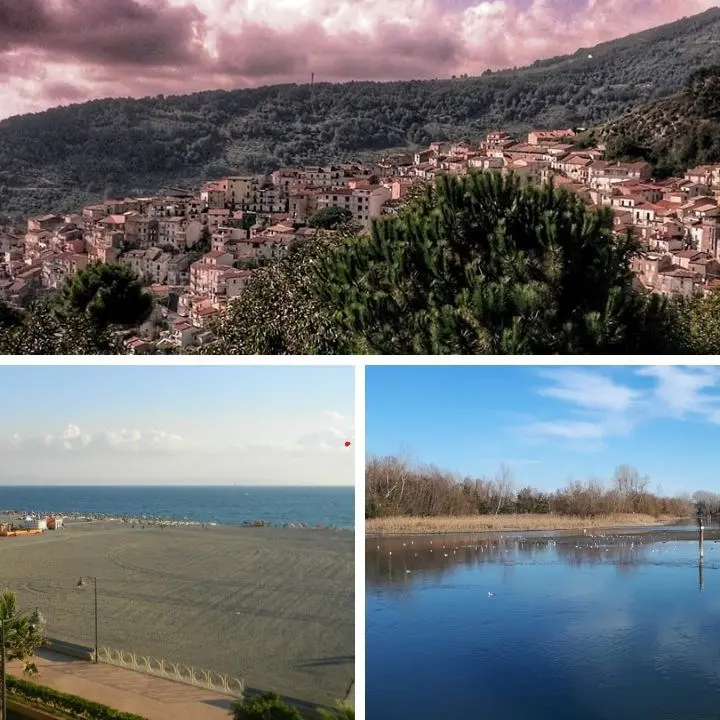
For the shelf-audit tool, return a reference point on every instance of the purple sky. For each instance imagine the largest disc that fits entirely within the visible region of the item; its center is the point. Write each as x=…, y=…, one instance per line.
x=55, y=52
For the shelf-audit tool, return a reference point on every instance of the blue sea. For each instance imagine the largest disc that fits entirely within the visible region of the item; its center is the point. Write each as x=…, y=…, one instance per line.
x=332, y=507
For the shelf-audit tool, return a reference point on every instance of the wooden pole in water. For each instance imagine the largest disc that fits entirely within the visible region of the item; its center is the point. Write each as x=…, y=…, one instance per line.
x=700, y=574
x=701, y=535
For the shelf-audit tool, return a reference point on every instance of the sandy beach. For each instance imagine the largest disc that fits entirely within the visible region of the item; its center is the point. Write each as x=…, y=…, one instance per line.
x=274, y=606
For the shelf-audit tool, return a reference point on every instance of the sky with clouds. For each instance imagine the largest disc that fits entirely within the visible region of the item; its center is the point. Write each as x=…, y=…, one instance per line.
x=55, y=52
x=552, y=424
x=127, y=425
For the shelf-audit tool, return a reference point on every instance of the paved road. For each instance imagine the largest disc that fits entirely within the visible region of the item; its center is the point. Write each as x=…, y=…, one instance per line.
x=126, y=690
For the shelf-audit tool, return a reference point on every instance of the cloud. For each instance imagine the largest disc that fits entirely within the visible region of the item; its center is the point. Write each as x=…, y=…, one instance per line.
x=73, y=439
x=568, y=430
x=334, y=415
x=122, y=438
x=597, y=407
x=683, y=390
x=67, y=50
x=588, y=389
x=328, y=438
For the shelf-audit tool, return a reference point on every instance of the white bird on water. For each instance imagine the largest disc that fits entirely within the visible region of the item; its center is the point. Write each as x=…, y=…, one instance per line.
x=491, y=594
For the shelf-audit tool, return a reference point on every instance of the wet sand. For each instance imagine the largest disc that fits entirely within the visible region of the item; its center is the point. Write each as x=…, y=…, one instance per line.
x=274, y=606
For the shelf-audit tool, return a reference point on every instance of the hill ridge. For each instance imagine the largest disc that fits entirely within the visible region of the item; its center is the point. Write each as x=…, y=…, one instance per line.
x=64, y=157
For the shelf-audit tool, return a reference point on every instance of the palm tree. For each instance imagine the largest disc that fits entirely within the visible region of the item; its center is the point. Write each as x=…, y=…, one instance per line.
x=23, y=633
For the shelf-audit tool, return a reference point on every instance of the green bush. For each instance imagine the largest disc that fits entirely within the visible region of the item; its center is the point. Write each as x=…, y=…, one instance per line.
x=265, y=707
x=71, y=704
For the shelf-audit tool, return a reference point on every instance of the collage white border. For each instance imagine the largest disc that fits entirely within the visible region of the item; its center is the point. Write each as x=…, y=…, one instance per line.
x=360, y=363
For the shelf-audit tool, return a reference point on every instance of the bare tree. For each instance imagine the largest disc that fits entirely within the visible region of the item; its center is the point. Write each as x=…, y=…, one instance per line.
x=504, y=482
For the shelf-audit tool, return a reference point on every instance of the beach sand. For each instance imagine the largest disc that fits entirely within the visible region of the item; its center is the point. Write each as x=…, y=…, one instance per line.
x=273, y=606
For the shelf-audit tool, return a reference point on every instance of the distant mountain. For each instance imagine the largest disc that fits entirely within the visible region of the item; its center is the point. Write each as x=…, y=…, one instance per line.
x=675, y=133
x=66, y=156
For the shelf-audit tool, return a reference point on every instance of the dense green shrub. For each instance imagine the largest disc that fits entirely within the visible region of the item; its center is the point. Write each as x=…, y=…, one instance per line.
x=73, y=705
x=268, y=706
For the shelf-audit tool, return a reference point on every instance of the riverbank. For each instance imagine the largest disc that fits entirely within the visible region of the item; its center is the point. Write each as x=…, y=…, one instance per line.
x=493, y=523
x=271, y=605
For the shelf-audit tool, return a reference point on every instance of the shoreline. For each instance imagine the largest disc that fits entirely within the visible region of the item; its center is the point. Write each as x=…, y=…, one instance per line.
x=448, y=524
x=160, y=521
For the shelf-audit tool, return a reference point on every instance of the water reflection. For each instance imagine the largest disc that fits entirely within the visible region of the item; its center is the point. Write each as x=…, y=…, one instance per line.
x=603, y=624
x=395, y=562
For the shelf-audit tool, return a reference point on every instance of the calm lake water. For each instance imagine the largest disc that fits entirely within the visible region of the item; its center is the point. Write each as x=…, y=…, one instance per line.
x=519, y=626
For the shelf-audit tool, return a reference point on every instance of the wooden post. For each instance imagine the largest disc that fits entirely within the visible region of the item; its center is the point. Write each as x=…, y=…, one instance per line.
x=701, y=536
x=700, y=574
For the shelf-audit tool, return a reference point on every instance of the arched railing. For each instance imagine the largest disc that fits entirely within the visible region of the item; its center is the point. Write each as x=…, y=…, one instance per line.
x=208, y=679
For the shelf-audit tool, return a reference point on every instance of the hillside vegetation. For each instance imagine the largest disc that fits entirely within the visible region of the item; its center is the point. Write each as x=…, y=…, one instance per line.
x=674, y=133
x=63, y=157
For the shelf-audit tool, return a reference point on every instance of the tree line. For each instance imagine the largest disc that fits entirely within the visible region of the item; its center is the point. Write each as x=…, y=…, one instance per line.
x=396, y=487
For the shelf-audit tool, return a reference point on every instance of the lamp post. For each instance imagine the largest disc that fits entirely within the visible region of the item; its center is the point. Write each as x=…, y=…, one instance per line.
x=81, y=584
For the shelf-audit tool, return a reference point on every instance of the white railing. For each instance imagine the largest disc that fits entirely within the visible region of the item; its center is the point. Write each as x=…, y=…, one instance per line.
x=208, y=679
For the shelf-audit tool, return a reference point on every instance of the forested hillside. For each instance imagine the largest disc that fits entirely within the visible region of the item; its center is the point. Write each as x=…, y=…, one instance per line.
x=65, y=156
x=674, y=133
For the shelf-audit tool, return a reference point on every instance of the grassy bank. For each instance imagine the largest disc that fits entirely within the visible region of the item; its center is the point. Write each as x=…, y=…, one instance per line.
x=489, y=523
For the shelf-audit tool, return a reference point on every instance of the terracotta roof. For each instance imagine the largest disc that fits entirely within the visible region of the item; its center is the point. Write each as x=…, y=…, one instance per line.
x=113, y=219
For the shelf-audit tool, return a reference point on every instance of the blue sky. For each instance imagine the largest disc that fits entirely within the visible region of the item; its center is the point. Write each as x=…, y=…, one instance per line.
x=177, y=425
x=551, y=424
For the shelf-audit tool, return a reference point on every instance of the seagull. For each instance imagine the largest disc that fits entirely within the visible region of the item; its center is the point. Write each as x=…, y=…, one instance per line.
x=490, y=594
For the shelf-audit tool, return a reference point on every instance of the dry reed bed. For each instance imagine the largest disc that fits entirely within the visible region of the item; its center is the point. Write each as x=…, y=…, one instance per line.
x=484, y=523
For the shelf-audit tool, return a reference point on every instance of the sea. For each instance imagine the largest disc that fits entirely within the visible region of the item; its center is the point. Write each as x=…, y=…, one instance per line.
x=236, y=505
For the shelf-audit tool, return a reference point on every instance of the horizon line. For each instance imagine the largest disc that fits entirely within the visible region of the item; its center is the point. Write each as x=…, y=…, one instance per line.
x=278, y=487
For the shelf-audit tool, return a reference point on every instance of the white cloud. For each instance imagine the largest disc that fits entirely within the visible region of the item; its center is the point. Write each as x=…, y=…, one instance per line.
x=334, y=415
x=598, y=407
x=165, y=440
x=683, y=390
x=122, y=438
x=568, y=430
x=71, y=432
x=73, y=438
x=302, y=448
x=588, y=390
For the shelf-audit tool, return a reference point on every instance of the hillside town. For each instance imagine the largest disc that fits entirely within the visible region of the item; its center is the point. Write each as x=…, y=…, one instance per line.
x=197, y=249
